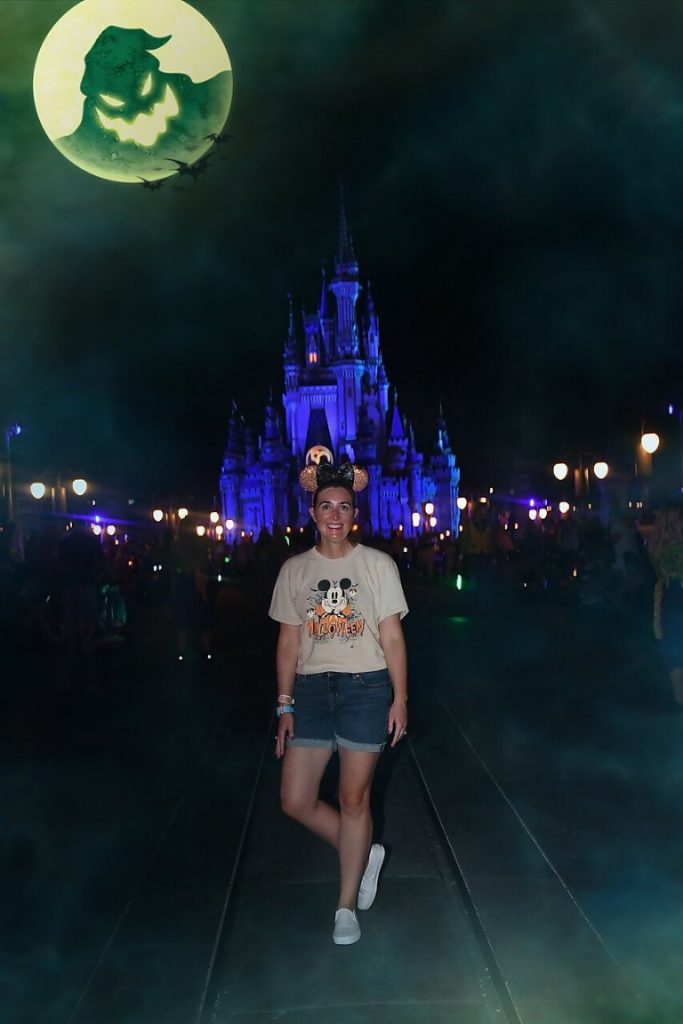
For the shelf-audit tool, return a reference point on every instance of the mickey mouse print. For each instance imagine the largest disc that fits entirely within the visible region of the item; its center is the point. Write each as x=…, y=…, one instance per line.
x=331, y=612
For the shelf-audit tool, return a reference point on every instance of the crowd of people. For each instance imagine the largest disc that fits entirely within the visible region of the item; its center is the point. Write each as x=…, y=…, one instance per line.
x=65, y=586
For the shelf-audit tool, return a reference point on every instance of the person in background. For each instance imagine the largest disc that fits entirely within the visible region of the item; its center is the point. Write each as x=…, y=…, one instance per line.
x=665, y=548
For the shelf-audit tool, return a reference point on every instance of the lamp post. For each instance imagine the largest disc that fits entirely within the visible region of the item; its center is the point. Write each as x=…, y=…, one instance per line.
x=10, y=432
x=582, y=477
x=57, y=491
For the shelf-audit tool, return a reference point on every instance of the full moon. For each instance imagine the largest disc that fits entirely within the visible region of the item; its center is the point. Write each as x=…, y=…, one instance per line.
x=132, y=90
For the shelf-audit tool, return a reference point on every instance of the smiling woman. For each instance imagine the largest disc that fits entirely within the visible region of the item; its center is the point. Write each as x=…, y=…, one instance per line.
x=126, y=88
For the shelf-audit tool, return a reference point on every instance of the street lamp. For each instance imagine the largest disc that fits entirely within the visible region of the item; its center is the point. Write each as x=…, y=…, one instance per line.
x=416, y=519
x=79, y=487
x=38, y=490
x=601, y=469
x=649, y=442
x=10, y=432
x=560, y=470
x=157, y=515
x=183, y=513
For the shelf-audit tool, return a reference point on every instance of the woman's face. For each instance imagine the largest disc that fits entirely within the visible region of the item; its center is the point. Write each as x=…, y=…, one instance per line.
x=333, y=514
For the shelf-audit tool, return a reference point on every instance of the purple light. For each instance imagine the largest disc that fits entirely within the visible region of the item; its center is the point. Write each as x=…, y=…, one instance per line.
x=671, y=409
x=532, y=503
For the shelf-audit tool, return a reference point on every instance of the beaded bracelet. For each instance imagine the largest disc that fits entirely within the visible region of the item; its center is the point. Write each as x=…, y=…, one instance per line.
x=286, y=709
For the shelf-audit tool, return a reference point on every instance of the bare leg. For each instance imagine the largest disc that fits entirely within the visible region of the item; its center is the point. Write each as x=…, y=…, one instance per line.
x=355, y=829
x=302, y=772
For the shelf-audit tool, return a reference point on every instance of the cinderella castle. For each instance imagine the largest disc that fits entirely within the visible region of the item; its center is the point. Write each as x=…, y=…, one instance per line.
x=337, y=405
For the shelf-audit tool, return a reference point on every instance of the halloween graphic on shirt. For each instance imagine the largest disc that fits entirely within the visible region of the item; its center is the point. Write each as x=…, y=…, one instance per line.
x=331, y=613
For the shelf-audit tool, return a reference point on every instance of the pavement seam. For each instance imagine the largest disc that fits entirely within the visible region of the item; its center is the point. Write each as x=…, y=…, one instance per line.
x=636, y=994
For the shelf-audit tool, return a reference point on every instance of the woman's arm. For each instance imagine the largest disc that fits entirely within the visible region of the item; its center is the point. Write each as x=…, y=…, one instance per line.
x=286, y=658
x=394, y=647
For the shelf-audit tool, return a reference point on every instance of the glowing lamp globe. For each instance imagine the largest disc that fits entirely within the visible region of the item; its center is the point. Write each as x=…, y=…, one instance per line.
x=533, y=512
x=111, y=530
x=229, y=524
x=96, y=529
x=429, y=508
x=415, y=519
x=219, y=530
x=601, y=469
x=542, y=513
x=560, y=470
x=79, y=486
x=462, y=504
x=37, y=490
x=157, y=515
x=214, y=517
x=201, y=531
x=650, y=442
x=183, y=513
x=132, y=90
x=432, y=521
x=563, y=507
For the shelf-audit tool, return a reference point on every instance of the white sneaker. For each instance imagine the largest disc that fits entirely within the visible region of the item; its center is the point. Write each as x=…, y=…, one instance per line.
x=368, y=883
x=346, y=927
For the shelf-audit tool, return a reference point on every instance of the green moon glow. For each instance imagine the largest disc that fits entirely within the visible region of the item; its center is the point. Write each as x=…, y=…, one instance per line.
x=129, y=89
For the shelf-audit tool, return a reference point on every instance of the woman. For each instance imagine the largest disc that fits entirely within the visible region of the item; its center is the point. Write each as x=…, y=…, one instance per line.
x=341, y=682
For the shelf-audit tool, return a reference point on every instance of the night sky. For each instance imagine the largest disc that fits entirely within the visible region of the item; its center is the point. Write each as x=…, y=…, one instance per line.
x=514, y=184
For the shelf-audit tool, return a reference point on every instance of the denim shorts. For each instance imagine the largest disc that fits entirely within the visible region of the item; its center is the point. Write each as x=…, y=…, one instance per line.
x=342, y=709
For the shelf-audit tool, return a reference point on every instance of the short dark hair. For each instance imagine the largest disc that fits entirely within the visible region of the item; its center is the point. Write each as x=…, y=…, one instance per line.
x=326, y=487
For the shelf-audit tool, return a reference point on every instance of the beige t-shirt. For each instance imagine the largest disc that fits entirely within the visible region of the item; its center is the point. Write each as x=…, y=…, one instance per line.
x=339, y=603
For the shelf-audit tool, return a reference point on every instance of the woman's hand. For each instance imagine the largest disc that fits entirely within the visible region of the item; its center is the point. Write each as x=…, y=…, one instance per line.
x=398, y=721
x=285, y=728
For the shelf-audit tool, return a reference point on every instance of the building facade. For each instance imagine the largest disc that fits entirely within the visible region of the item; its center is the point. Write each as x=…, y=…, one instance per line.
x=337, y=401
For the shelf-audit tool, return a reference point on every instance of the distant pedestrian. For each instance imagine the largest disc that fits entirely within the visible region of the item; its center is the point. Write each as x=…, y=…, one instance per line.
x=192, y=611
x=665, y=547
x=341, y=682
x=80, y=565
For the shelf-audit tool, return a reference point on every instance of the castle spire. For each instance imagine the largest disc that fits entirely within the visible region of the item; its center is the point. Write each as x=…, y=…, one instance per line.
x=397, y=431
x=323, y=311
x=290, y=343
x=346, y=257
x=443, y=443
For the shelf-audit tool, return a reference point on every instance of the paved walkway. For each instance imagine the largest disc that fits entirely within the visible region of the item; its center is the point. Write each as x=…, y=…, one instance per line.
x=546, y=737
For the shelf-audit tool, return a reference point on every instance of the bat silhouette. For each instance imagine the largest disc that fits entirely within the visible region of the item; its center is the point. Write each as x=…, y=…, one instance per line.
x=151, y=185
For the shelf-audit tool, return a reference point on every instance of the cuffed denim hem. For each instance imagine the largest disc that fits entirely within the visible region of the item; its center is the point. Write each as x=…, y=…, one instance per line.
x=371, y=748
x=303, y=742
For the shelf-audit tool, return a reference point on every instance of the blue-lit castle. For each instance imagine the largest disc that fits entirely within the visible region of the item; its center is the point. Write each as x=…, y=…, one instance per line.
x=337, y=397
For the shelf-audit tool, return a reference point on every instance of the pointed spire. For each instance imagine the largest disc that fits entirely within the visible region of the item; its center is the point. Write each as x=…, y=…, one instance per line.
x=323, y=311
x=397, y=430
x=346, y=257
x=290, y=344
x=443, y=443
x=234, y=445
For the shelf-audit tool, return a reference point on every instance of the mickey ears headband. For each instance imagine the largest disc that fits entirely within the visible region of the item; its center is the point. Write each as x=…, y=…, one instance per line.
x=324, y=475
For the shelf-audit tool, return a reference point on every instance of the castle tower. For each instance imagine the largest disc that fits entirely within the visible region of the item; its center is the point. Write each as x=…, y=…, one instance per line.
x=336, y=394
x=446, y=477
x=345, y=288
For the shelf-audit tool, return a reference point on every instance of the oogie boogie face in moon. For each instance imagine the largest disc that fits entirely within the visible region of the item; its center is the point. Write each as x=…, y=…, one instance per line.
x=139, y=115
